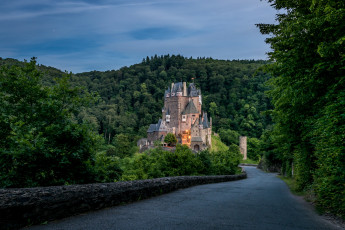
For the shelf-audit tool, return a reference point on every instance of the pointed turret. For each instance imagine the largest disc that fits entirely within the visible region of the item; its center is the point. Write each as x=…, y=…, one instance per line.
x=205, y=122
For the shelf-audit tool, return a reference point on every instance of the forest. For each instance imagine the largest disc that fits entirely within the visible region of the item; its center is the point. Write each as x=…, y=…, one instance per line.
x=64, y=128
x=131, y=98
x=308, y=95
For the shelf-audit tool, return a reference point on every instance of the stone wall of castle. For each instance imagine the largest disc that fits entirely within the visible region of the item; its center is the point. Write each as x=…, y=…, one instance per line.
x=182, y=110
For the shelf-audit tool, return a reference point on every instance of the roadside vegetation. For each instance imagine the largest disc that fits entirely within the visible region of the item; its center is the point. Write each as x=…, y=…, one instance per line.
x=308, y=95
x=42, y=143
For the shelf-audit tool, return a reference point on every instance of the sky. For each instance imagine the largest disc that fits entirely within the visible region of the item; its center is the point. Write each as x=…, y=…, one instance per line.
x=87, y=35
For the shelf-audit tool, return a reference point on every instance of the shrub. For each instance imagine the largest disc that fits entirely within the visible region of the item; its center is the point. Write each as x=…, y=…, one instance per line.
x=226, y=162
x=107, y=168
x=170, y=139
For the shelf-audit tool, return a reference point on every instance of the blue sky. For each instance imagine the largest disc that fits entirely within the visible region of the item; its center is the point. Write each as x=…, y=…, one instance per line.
x=85, y=35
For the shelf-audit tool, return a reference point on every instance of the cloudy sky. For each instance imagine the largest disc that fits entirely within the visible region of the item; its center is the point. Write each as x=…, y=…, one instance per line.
x=85, y=35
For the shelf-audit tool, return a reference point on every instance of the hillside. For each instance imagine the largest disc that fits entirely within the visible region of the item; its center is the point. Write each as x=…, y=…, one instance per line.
x=50, y=131
x=131, y=98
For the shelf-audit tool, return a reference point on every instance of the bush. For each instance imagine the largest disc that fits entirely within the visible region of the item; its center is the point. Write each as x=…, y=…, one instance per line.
x=170, y=139
x=229, y=136
x=183, y=162
x=40, y=144
x=226, y=162
x=107, y=168
x=254, y=148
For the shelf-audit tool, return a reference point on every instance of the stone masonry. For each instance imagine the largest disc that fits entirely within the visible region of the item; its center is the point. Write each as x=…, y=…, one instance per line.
x=182, y=116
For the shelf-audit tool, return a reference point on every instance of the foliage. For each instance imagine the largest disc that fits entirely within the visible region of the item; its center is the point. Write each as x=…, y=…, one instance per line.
x=249, y=161
x=253, y=148
x=131, y=98
x=170, y=139
x=107, y=168
x=160, y=163
x=229, y=136
x=49, y=128
x=40, y=144
x=308, y=95
x=226, y=162
x=123, y=146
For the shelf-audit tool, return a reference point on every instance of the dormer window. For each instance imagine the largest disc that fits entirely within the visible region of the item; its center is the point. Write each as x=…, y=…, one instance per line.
x=167, y=118
x=184, y=118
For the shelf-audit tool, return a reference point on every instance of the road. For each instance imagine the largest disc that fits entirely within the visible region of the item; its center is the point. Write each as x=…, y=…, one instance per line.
x=262, y=201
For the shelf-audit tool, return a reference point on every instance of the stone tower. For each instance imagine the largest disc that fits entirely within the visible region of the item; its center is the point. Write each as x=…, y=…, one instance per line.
x=243, y=146
x=183, y=117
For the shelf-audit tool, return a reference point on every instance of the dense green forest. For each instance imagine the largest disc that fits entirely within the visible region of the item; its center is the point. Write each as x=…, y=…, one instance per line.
x=64, y=128
x=131, y=98
x=308, y=94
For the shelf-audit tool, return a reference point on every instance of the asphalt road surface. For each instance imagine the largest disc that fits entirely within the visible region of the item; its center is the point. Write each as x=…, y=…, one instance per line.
x=262, y=201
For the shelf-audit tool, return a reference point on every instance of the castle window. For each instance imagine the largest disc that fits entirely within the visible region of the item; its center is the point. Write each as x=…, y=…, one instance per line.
x=184, y=118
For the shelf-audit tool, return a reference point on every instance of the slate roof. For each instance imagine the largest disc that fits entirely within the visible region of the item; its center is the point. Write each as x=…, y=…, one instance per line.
x=152, y=128
x=177, y=87
x=167, y=91
x=193, y=91
x=155, y=127
x=190, y=108
x=205, y=122
x=142, y=141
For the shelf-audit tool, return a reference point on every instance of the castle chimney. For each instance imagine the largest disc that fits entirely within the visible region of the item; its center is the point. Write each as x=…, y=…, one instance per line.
x=184, y=89
x=172, y=87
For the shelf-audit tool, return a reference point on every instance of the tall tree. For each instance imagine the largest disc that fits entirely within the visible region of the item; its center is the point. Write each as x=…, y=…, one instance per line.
x=308, y=46
x=40, y=144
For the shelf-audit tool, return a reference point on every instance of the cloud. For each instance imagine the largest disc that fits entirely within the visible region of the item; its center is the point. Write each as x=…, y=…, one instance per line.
x=83, y=35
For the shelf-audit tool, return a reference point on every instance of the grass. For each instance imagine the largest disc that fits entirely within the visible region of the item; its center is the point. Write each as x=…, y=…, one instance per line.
x=249, y=161
x=218, y=145
x=291, y=183
x=307, y=194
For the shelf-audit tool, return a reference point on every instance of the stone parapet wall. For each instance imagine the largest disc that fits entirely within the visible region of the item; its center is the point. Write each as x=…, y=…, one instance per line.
x=21, y=207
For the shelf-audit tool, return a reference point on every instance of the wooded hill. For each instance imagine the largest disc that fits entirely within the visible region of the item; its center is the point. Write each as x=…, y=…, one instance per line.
x=131, y=98
x=53, y=132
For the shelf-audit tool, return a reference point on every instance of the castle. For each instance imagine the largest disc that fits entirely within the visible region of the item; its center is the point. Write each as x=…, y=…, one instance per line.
x=182, y=116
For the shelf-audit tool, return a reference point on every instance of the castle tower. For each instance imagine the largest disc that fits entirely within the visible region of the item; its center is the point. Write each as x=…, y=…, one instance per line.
x=182, y=116
x=243, y=146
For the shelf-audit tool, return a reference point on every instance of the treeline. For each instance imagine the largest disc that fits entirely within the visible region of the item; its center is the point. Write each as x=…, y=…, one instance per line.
x=54, y=132
x=308, y=93
x=132, y=98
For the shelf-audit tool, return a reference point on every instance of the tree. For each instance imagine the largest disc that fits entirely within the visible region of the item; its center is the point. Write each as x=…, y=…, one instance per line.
x=40, y=143
x=123, y=146
x=308, y=46
x=170, y=139
x=213, y=109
